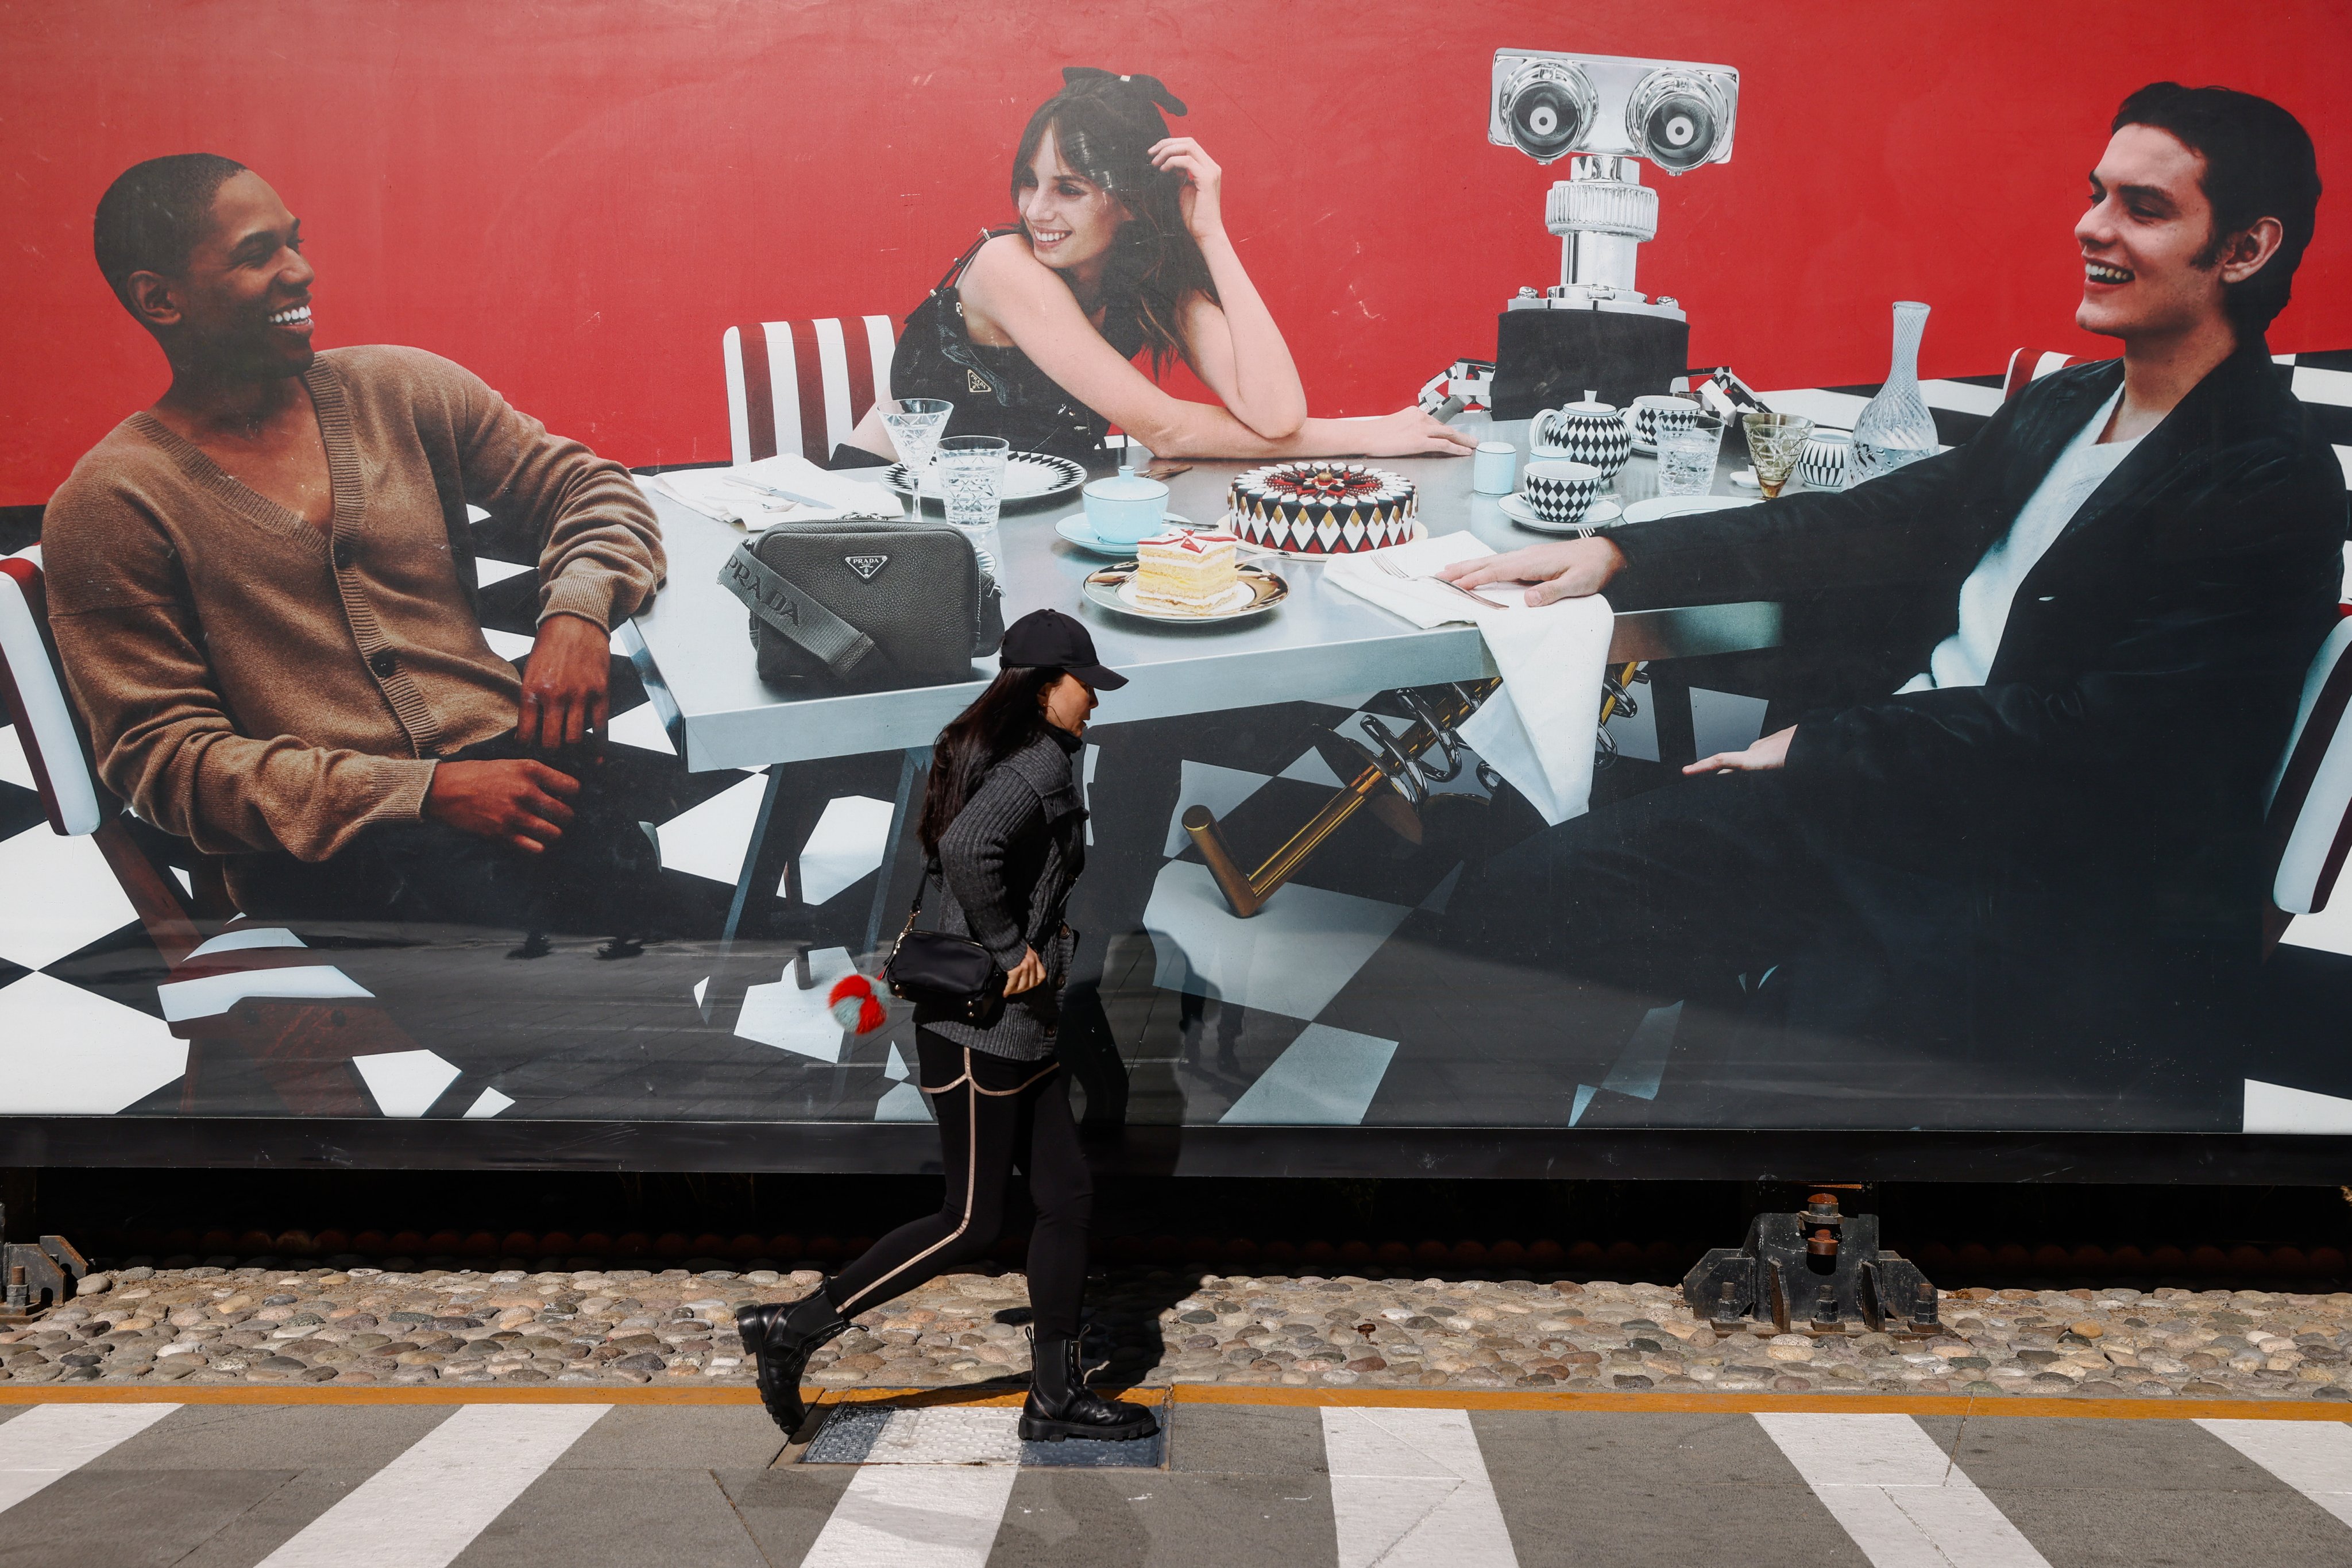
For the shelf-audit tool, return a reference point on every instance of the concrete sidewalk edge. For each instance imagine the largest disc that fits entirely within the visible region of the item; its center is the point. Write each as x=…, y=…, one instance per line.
x=1673, y=1404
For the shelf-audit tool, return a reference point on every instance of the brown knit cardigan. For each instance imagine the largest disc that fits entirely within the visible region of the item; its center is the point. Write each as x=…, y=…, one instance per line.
x=254, y=682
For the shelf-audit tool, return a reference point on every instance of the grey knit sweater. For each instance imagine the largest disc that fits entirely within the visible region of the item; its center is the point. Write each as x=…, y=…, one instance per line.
x=1005, y=867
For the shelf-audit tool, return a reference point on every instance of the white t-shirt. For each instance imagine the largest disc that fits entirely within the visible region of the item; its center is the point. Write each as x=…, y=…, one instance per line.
x=1965, y=657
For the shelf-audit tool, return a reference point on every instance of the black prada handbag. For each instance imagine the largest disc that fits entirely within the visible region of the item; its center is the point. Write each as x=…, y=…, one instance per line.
x=865, y=605
x=938, y=969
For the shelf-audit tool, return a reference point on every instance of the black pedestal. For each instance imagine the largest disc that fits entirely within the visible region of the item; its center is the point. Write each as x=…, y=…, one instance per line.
x=1546, y=358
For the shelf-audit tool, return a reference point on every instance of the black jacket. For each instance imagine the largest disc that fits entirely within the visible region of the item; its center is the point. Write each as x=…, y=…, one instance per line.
x=2111, y=768
x=1005, y=868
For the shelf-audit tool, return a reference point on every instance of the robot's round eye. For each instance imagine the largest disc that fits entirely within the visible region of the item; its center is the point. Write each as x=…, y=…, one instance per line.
x=1676, y=119
x=1548, y=108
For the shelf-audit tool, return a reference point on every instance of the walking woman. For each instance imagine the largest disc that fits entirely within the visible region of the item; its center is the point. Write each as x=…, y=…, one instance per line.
x=1121, y=247
x=1003, y=836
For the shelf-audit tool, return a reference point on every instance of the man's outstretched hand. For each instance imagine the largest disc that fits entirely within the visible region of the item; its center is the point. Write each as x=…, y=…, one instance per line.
x=1770, y=752
x=567, y=687
x=1572, y=569
x=520, y=802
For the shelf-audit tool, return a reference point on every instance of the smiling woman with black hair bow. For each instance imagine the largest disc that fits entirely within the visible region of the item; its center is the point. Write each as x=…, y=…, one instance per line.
x=1121, y=249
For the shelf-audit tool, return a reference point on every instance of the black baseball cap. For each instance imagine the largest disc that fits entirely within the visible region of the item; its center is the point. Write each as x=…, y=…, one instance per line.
x=1049, y=639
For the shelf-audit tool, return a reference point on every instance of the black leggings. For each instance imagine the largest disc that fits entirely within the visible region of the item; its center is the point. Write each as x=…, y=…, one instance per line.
x=994, y=1114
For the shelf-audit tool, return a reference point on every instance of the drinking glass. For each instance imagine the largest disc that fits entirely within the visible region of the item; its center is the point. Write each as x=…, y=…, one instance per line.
x=1686, y=455
x=915, y=426
x=971, y=473
x=1777, y=443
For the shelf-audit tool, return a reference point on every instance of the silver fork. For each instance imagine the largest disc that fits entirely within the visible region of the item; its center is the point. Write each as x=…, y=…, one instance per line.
x=1394, y=569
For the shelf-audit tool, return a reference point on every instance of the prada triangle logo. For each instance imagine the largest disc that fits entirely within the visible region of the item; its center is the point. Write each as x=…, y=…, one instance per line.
x=972, y=378
x=865, y=566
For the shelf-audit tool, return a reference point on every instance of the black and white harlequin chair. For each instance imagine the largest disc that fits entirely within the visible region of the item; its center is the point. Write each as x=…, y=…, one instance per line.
x=234, y=988
x=2310, y=802
x=800, y=387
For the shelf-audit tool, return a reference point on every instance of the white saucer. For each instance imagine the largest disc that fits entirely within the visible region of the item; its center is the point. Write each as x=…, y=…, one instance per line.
x=1603, y=511
x=1656, y=507
x=1080, y=533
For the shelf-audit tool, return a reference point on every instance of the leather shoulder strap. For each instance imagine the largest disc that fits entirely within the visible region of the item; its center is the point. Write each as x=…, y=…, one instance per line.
x=964, y=260
x=842, y=646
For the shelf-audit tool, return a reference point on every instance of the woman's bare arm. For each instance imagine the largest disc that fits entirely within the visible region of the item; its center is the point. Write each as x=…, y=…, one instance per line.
x=1233, y=341
x=1010, y=291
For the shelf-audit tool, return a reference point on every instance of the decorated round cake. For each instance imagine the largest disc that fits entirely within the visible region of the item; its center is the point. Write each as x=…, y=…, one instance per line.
x=1323, y=507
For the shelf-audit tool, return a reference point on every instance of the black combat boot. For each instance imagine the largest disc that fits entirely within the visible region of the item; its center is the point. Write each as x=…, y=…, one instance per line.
x=781, y=1338
x=1060, y=1406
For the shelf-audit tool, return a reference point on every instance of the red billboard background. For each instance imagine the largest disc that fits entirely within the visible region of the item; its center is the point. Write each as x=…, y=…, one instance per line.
x=575, y=200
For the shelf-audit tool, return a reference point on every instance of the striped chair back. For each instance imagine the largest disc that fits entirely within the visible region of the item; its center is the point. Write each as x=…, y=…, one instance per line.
x=2310, y=803
x=2026, y=366
x=801, y=386
x=33, y=695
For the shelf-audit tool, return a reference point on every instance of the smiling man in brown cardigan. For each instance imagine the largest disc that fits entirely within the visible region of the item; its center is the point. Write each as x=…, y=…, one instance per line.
x=254, y=591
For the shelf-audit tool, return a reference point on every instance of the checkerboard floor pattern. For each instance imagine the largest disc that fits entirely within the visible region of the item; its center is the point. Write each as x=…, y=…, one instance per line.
x=1328, y=1007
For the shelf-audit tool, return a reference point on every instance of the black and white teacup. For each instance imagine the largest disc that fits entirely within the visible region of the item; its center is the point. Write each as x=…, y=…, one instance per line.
x=1645, y=413
x=1561, y=491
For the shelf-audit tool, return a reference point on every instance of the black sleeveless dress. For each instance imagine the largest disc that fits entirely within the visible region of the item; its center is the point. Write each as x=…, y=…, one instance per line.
x=997, y=391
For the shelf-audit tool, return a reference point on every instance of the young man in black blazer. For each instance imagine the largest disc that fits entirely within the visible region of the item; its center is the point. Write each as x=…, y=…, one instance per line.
x=2034, y=834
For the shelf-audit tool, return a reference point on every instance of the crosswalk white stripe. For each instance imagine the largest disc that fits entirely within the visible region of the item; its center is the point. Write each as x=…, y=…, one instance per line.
x=915, y=1516
x=1410, y=1486
x=445, y=1489
x=2315, y=1458
x=1901, y=1498
x=53, y=1440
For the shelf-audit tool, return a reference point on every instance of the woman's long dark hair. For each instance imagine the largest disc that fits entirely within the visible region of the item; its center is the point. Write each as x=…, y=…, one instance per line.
x=1001, y=721
x=1105, y=126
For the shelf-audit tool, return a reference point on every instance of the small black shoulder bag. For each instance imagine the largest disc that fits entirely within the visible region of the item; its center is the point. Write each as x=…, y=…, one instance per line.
x=938, y=969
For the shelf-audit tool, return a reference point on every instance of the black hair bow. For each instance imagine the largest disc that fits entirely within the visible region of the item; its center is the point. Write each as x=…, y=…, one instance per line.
x=1150, y=85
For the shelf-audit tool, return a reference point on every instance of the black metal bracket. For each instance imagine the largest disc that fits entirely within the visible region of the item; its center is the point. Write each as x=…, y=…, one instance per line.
x=1820, y=1268
x=38, y=1277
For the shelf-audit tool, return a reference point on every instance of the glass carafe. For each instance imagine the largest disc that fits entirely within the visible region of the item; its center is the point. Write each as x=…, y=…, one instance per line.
x=1896, y=426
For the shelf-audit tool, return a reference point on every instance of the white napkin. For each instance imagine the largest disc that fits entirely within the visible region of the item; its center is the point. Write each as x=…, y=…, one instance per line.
x=1538, y=730
x=717, y=493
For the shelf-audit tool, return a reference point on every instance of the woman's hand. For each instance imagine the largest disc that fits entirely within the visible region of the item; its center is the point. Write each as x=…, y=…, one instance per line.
x=1410, y=433
x=1572, y=569
x=1201, y=200
x=1770, y=752
x=1025, y=975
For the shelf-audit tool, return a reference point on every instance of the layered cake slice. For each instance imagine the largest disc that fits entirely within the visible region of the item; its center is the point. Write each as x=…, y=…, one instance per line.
x=1191, y=573
x=1323, y=507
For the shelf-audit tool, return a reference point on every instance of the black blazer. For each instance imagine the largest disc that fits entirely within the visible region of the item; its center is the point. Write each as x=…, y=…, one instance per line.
x=2113, y=761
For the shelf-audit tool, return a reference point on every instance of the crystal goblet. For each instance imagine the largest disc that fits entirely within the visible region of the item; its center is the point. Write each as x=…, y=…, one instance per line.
x=1777, y=443
x=915, y=427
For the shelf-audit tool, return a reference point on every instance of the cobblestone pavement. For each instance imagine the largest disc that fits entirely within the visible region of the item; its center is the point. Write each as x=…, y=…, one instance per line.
x=319, y=1326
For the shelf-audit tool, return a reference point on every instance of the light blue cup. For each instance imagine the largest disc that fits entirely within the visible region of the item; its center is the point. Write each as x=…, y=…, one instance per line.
x=1495, y=468
x=1128, y=509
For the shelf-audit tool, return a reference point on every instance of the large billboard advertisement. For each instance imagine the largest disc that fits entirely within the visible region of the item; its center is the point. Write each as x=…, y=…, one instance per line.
x=1560, y=579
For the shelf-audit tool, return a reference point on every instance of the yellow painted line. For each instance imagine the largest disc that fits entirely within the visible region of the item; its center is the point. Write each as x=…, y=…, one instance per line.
x=1629, y=1403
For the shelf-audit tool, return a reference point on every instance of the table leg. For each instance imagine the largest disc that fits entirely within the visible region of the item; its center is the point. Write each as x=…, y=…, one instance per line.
x=753, y=853
x=912, y=766
x=1670, y=707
